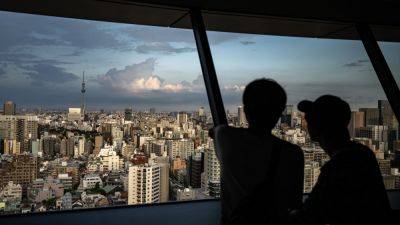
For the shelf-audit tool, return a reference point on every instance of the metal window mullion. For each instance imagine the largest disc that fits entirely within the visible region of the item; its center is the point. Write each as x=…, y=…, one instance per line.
x=208, y=69
x=381, y=67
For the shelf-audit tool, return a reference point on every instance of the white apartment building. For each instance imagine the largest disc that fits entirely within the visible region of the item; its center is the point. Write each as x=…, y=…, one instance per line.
x=90, y=181
x=144, y=184
x=110, y=159
x=311, y=173
x=210, y=178
x=182, y=148
x=11, y=191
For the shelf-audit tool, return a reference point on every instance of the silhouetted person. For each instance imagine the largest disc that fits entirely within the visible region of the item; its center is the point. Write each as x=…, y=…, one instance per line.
x=262, y=174
x=349, y=189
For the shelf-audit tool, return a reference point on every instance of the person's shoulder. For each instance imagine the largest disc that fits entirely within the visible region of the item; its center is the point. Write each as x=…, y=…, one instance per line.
x=227, y=130
x=289, y=148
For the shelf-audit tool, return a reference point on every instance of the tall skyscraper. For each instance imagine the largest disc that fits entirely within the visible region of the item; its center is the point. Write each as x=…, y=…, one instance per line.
x=195, y=169
x=385, y=113
x=357, y=120
x=286, y=117
x=9, y=108
x=241, y=117
x=182, y=117
x=371, y=116
x=163, y=162
x=83, y=91
x=128, y=114
x=311, y=173
x=144, y=184
x=98, y=144
x=212, y=172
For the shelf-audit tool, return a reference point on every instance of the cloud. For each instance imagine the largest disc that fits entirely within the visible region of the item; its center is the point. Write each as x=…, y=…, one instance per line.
x=140, y=78
x=247, y=42
x=234, y=87
x=358, y=63
x=161, y=47
x=46, y=73
x=33, y=30
x=175, y=35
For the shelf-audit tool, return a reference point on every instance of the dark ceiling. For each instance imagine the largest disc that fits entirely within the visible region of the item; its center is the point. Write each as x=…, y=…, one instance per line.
x=321, y=19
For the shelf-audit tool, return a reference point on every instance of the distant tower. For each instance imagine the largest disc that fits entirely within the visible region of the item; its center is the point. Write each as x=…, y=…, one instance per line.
x=83, y=90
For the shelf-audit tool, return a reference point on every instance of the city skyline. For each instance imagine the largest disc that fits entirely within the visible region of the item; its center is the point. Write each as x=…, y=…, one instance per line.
x=132, y=65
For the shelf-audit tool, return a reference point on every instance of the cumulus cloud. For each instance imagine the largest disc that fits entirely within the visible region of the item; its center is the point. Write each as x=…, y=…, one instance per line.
x=358, y=63
x=140, y=77
x=234, y=87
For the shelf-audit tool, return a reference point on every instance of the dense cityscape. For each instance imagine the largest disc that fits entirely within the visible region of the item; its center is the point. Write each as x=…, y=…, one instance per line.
x=75, y=158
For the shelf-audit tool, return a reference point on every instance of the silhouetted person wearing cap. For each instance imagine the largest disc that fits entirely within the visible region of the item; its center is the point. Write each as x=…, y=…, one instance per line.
x=349, y=189
x=262, y=174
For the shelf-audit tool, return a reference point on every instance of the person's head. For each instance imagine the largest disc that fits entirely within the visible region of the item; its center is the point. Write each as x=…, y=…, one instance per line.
x=264, y=101
x=327, y=118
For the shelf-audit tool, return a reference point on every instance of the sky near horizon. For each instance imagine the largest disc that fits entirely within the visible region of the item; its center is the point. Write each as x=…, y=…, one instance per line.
x=42, y=60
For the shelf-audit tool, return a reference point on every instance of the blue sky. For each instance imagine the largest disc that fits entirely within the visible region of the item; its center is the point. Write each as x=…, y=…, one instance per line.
x=42, y=59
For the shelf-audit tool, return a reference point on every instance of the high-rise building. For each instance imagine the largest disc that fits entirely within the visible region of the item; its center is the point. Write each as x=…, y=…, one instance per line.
x=21, y=170
x=144, y=184
x=242, y=122
x=357, y=120
x=20, y=126
x=371, y=116
x=286, y=117
x=49, y=146
x=128, y=114
x=9, y=108
x=201, y=111
x=182, y=117
x=74, y=114
x=152, y=110
x=163, y=162
x=81, y=145
x=212, y=172
x=98, y=144
x=385, y=113
x=70, y=146
x=63, y=147
x=195, y=169
x=311, y=173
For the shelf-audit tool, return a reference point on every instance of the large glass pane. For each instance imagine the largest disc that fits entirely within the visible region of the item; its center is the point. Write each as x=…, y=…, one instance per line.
x=100, y=114
x=308, y=68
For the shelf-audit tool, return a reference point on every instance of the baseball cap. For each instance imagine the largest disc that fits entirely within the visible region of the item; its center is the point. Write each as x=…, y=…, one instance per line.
x=327, y=110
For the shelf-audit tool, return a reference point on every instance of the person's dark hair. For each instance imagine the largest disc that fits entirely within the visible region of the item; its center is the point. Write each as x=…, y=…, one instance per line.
x=264, y=101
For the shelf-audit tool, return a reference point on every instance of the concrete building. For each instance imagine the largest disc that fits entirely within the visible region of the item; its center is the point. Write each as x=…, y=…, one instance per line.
x=212, y=172
x=241, y=117
x=9, y=108
x=110, y=159
x=90, y=180
x=311, y=173
x=21, y=170
x=144, y=184
x=11, y=191
x=74, y=114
